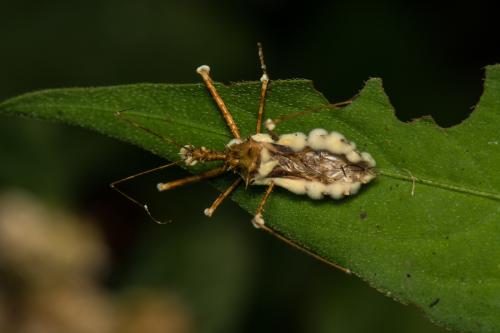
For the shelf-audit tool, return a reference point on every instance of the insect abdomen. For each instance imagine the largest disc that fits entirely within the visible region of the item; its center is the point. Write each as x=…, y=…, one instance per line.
x=319, y=164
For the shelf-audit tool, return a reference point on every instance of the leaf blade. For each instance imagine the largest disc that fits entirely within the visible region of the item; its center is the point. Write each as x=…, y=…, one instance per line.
x=425, y=232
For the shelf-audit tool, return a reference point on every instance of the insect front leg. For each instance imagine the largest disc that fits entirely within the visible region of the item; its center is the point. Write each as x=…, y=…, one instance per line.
x=209, y=211
x=258, y=219
x=204, y=71
x=191, y=179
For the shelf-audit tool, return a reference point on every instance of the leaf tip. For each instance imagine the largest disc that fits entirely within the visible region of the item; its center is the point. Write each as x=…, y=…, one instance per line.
x=492, y=73
x=373, y=87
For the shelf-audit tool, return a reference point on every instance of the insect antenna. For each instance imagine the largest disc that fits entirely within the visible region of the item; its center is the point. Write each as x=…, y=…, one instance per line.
x=121, y=116
x=144, y=206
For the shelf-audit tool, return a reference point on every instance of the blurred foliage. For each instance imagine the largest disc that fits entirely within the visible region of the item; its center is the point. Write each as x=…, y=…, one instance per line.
x=49, y=265
x=430, y=59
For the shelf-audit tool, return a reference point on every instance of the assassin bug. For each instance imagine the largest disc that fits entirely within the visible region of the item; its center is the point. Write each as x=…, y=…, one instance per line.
x=319, y=164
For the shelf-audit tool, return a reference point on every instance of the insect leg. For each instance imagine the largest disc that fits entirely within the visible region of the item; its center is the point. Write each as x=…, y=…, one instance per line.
x=209, y=211
x=264, y=79
x=114, y=184
x=204, y=71
x=258, y=220
x=120, y=115
x=191, y=179
x=301, y=248
x=271, y=124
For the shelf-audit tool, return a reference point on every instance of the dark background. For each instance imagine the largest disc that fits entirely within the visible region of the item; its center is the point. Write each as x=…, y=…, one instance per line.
x=231, y=277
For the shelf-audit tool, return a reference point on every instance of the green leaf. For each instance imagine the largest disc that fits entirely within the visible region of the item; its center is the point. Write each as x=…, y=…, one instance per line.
x=425, y=232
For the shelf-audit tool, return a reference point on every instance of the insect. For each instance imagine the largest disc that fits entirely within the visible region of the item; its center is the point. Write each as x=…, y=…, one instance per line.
x=319, y=164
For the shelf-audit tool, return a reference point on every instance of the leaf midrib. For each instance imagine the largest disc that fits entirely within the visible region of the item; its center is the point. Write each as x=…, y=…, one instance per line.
x=395, y=172
x=396, y=175
x=181, y=123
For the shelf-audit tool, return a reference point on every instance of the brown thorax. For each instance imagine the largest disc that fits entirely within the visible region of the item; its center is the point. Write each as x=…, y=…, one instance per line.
x=242, y=157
